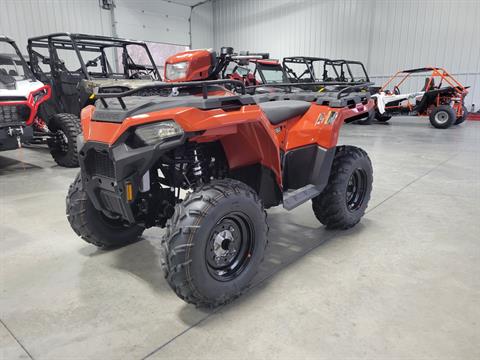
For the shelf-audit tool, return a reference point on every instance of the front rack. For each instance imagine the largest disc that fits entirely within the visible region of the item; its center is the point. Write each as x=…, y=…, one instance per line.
x=177, y=85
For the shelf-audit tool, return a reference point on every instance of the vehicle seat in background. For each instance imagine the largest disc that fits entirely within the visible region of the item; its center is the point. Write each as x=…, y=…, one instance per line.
x=429, y=84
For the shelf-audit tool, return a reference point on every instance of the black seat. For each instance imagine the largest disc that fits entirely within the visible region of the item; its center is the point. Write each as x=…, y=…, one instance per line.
x=429, y=84
x=281, y=110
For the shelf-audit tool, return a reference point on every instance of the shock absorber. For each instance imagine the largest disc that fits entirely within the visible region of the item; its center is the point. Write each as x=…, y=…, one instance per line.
x=197, y=164
x=190, y=166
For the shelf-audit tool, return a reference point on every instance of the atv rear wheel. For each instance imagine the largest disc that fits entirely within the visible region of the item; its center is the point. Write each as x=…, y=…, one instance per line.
x=464, y=116
x=63, y=145
x=382, y=118
x=342, y=203
x=442, y=117
x=92, y=225
x=214, y=243
x=366, y=121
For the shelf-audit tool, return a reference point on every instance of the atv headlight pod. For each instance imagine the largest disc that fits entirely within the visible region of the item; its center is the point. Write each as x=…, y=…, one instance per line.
x=176, y=71
x=153, y=133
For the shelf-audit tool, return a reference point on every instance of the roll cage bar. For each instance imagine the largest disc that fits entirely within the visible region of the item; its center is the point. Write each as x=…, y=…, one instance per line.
x=336, y=65
x=27, y=71
x=241, y=59
x=435, y=72
x=89, y=43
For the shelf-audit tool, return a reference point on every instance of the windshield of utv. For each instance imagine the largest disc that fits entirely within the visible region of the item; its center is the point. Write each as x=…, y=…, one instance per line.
x=12, y=68
x=273, y=74
x=95, y=58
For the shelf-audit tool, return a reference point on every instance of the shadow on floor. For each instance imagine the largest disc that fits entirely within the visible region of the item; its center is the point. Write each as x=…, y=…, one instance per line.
x=142, y=260
x=10, y=166
x=289, y=242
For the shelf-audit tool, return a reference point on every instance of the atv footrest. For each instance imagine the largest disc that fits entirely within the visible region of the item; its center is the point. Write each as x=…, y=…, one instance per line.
x=295, y=198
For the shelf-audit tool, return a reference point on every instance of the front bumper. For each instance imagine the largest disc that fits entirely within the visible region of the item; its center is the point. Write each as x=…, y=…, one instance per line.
x=10, y=136
x=106, y=171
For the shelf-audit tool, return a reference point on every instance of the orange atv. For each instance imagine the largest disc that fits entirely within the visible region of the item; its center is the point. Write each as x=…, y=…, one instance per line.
x=235, y=154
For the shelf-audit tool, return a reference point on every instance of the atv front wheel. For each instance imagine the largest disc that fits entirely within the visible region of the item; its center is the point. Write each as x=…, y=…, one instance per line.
x=342, y=203
x=94, y=226
x=63, y=143
x=442, y=117
x=214, y=243
x=462, y=118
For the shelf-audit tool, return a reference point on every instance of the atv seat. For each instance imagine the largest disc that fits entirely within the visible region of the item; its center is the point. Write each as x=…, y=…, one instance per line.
x=281, y=110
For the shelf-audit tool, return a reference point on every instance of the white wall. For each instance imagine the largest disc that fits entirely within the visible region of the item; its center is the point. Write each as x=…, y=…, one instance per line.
x=159, y=21
x=386, y=35
x=165, y=21
x=23, y=19
x=202, y=26
x=149, y=20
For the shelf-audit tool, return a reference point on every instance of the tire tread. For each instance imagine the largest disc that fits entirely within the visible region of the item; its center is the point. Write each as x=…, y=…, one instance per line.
x=180, y=230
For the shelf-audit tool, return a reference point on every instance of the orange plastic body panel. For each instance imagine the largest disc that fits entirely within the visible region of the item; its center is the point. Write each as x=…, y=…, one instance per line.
x=246, y=134
x=199, y=64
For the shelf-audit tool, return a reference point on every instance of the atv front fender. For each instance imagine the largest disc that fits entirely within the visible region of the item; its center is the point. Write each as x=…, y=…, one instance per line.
x=106, y=171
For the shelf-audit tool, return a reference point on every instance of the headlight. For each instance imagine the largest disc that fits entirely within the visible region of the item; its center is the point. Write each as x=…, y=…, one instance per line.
x=154, y=133
x=176, y=71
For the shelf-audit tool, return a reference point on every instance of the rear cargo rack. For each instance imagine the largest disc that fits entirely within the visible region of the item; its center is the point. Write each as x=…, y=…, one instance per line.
x=349, y=87
x=236, y=84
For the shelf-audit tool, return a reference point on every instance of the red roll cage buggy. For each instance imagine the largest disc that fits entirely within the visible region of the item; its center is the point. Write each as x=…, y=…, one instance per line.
x=441, y=97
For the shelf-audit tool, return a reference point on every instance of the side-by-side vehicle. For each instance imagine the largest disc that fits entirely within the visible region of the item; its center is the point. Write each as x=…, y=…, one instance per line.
x=74, y=65
x=20, y=96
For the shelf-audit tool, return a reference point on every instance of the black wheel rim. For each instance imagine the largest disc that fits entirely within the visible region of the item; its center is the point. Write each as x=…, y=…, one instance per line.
x=356, y=189
x=229, y=247
x=60, y=141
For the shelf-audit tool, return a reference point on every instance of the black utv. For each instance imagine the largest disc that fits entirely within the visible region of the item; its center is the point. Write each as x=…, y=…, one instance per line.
x=74, y=65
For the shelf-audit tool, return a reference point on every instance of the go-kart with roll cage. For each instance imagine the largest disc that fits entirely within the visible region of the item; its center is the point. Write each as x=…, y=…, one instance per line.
x=20, y=96
x=441, y=98
x=74, y=65
x=236, y=154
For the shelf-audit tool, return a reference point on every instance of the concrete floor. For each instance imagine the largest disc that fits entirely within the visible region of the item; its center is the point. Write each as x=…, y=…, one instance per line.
x=403, y=284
